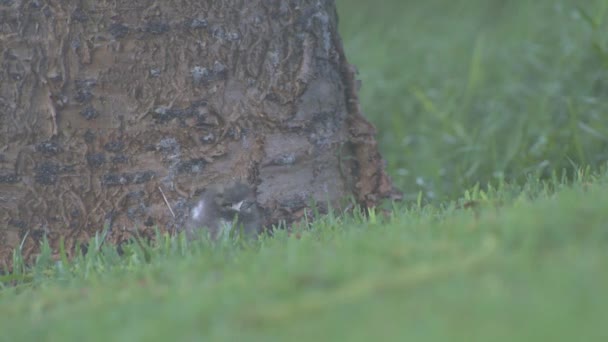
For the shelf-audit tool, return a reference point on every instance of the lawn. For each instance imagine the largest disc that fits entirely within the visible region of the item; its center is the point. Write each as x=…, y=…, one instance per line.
x=494, y=121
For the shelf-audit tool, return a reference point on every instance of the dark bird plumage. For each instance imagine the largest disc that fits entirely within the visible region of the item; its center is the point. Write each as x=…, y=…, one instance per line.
x=221, y=206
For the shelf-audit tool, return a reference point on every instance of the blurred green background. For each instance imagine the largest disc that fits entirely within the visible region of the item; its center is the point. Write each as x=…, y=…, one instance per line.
x=469, y=91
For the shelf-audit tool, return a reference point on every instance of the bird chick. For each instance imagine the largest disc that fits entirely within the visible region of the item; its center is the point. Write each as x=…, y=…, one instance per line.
x=221, y=206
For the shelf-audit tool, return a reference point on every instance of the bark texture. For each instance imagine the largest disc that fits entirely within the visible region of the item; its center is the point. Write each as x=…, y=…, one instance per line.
x=119, y=112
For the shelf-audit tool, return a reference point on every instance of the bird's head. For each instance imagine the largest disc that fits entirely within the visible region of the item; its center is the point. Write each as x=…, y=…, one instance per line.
x=234, y=198
x=237, y=204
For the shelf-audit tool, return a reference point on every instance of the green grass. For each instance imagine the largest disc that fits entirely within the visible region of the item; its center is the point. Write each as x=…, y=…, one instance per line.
x=523, y=264
x=480, y=106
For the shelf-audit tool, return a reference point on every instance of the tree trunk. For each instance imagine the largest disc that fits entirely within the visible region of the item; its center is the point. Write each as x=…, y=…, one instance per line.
x=119, y=112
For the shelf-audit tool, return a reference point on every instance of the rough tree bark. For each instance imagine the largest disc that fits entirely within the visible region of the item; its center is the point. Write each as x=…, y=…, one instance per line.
x=108, y=107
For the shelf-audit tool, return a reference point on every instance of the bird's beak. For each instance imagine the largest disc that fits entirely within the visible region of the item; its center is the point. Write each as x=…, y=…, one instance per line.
x=237, y=206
